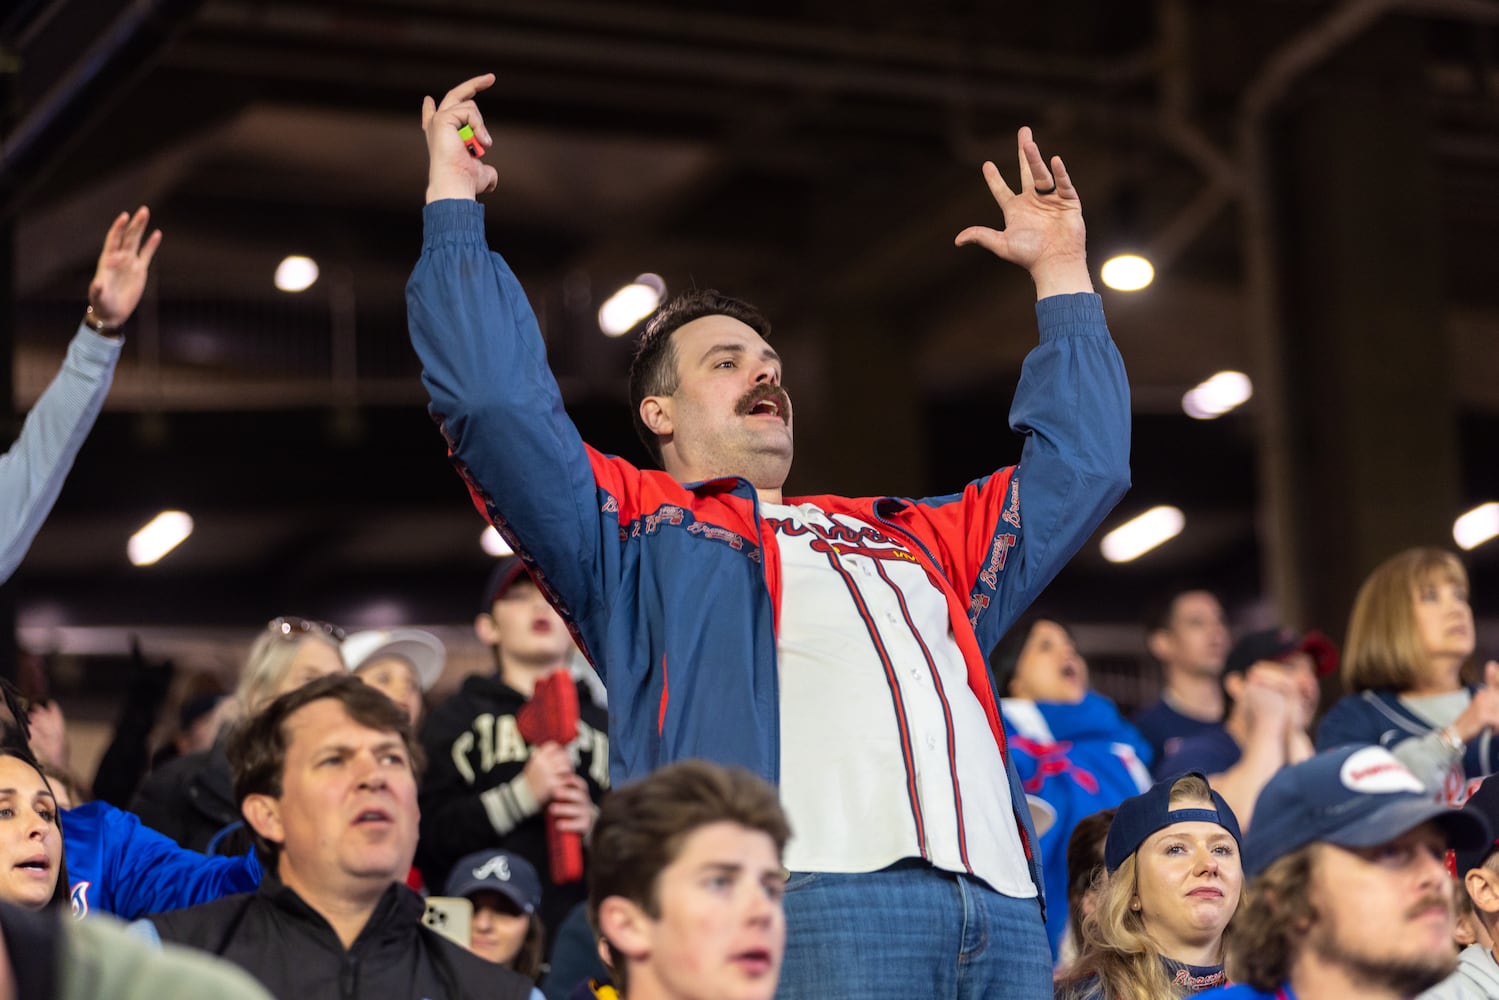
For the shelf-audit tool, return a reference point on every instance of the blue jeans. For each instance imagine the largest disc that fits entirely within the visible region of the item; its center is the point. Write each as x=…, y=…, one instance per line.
x=910, y=931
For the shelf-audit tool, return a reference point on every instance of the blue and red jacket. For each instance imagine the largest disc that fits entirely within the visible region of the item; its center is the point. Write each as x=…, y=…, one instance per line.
x=673, y=590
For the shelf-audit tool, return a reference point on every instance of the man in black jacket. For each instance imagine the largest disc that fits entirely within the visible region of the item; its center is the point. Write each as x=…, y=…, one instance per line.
x=326, y=779
x=487, y=787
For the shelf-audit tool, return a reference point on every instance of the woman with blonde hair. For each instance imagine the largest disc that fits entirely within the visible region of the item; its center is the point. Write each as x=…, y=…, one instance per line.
x=191, y=799
x=1172, y=881
x=1410, y=633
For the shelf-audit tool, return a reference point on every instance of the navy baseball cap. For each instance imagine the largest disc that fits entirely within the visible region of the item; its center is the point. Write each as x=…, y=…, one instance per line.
x=1485, y=803
x=1278, y=643
x=510, y=875
x=1355, y=795
x=507, y=569
x=1144, y=814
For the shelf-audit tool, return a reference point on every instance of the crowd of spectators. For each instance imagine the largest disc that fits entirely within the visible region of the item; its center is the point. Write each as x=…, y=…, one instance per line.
x=886, y=813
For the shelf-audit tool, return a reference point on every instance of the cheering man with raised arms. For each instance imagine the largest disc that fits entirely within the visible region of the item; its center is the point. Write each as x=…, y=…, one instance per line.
x=834, y=646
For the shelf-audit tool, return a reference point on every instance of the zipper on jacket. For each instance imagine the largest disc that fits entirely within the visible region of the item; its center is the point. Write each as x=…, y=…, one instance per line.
x=348, y=978
x=775, y=645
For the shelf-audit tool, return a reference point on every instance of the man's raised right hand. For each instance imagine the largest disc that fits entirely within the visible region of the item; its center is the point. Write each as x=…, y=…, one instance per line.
x=452, y=171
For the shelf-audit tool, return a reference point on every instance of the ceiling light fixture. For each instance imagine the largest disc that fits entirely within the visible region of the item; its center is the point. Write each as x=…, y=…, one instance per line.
x=1476, y=526
x=1127, y=272
x=157, y=537
x=1217, y=395
x=1140, y=534
x=296, y=273
x=631, y=304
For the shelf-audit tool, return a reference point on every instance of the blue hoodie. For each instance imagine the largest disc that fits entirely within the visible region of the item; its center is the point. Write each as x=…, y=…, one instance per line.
x=1078, y=759
x=117, y=865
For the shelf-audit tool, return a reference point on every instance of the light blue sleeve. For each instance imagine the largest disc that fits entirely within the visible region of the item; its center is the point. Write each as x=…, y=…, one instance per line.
x=33, y=470
x=145, y=931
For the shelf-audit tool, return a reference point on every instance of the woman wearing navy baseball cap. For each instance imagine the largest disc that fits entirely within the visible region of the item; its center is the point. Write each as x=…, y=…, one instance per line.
x=1172, y=884
x=506, y=893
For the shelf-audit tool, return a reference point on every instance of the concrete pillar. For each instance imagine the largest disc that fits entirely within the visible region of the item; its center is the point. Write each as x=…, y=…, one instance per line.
x=1368, y=461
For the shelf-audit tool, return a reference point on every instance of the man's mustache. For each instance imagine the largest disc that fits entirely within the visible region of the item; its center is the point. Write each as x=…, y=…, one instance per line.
x=762, y=392
x=1428, y=902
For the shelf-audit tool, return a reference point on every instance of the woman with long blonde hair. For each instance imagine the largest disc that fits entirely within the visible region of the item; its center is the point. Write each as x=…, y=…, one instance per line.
x=1410, y=633
x=1172, y=881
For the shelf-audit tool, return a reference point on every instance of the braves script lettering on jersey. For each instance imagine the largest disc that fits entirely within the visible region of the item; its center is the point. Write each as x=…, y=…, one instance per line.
x=866, y=649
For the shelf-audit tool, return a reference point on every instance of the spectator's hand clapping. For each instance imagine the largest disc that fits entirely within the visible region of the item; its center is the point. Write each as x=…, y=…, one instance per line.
x=1271, y=700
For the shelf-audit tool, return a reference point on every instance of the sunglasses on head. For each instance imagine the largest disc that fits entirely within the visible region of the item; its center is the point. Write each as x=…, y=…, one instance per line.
x=292, y=627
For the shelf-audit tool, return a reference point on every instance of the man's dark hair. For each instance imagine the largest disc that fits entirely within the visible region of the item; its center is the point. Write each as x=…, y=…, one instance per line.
x=653, y=372
x=642, y=826
x=1162, y=611
x=257, y=747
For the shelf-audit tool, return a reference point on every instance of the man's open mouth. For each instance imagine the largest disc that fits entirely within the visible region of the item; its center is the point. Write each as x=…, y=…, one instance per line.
x=766, y=406
x=766, y=401
x=372, y=816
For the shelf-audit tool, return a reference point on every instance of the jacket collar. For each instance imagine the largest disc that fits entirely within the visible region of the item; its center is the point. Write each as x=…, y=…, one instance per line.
x=395, y=918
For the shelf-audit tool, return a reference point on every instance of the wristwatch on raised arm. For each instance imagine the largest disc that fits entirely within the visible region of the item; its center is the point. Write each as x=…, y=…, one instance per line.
x=96, y=323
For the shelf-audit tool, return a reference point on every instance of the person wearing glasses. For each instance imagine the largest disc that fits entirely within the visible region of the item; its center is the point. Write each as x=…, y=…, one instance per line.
x=192, y=799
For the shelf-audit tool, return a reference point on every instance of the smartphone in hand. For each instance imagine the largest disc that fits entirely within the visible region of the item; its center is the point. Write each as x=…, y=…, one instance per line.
x=450, y=916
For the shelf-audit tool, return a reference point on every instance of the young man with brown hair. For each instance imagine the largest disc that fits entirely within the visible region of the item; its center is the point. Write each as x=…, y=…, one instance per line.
x=1187, y=634
x=687, y=882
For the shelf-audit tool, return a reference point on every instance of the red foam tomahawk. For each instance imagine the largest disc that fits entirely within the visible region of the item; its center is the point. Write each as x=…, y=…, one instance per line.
x=551, y=716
